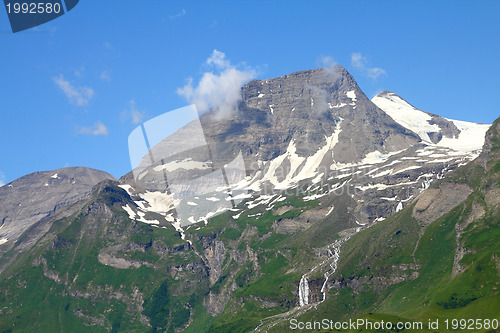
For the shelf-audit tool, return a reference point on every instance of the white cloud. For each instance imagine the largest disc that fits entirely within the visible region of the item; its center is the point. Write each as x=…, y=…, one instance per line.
x=77, y=95
x=179, y=14
x=220, y=90
x=359, y=62
x=327, y=61
x=98, y=129
x=2, y=179
x=105, y=75
x=319, y=102
x=330, y=67
x=133, y=113
x=218, y=59
x=79, y=72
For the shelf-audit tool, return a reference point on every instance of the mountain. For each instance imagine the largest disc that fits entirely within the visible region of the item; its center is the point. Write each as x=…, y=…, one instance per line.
x=310, y=127
x=32, y=197
x=343, y=201
x=305, y=112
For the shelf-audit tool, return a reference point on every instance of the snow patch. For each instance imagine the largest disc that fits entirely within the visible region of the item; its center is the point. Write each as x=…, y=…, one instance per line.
x=159, y=202
x=336, y=106
x=383, y=173
x=352, y=95
x=406, y=115
x=130, y=212
x=126, y=187
x=470, y=139
x=408, y=168
x=300, y=168
x=314, y=196
x=237, y=216
x=186, y=164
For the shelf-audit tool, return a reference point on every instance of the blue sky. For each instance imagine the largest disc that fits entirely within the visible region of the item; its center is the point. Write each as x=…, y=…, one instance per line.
x=72, y=90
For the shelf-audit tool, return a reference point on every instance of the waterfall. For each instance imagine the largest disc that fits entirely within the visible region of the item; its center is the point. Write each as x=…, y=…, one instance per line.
x=333, y=265
x=333, y=257
x=303, y=291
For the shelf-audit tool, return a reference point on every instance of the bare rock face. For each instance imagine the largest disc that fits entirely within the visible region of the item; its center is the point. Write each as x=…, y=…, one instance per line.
x=214, y=255
x=305, y=106
x=447, y=128
x=30, y=198
x=116, y=262
x=434, y=203
x=490, y=153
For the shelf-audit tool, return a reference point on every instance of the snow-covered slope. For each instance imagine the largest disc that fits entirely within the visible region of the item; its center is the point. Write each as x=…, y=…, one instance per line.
x=471, y=136
x=310, y=154
x=406, y=115
x=465, y=136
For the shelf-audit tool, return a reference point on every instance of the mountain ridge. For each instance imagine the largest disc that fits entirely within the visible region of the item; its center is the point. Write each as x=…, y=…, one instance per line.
x=117, y=259
x=23, y=201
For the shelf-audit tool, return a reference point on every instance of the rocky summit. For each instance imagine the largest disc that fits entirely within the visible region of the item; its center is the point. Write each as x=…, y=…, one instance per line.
x=316, y=128
x=346, y=208
x=35, y=196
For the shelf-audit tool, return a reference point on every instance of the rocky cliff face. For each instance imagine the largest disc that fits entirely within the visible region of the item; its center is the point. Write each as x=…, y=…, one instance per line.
x=305, y=108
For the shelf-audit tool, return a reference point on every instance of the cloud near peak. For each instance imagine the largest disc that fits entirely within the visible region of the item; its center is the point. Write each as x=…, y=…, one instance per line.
x=219, y=88
x=359, y=62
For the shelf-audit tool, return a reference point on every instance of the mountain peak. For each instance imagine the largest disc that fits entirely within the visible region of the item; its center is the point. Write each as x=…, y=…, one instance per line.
x=30, y=198
x=432, y=128
x=385, y=93
x=321, y=77
x=391, y=96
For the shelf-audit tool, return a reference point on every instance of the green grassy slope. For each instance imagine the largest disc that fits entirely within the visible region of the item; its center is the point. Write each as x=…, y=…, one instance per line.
x=60, y=285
